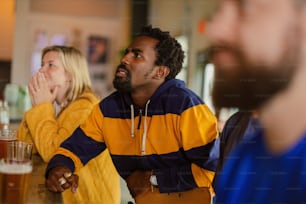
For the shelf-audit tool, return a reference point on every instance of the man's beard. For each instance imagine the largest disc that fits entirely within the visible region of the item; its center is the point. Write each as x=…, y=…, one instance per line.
x=248, y=86
x=123, y=84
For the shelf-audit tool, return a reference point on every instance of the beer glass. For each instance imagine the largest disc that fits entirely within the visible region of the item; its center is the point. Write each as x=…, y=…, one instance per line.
x=6, y=136
x=15, y=172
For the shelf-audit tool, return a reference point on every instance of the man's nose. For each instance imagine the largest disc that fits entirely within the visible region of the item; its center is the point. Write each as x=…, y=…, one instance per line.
x=125, y=59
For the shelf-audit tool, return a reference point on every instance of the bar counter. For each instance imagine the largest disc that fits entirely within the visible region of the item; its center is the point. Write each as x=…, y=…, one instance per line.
x=38, y=194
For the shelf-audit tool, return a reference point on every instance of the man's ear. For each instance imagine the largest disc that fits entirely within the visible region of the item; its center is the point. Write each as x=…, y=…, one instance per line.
x=162, y=72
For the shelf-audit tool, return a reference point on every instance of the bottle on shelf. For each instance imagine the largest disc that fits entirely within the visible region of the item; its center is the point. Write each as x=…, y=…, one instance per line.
x=4, y=115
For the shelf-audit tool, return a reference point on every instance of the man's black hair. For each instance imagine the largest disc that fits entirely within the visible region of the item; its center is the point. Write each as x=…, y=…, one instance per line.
x=169, y=51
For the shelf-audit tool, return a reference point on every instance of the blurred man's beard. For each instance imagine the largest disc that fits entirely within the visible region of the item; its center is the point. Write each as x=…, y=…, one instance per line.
x=123, y=84
x=248, y=86
x=248, y=91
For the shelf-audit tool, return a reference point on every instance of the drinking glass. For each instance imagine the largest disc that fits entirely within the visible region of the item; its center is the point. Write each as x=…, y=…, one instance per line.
x=15, y=172
x=6, y=135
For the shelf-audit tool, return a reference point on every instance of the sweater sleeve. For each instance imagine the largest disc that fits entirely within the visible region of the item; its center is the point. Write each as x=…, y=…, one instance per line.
x=23, y=134
x=47, y=132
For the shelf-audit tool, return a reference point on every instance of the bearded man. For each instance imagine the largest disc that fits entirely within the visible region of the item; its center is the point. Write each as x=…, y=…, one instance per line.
x=259, y=52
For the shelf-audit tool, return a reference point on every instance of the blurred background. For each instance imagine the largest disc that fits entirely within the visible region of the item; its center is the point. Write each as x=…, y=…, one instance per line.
x=101, y=29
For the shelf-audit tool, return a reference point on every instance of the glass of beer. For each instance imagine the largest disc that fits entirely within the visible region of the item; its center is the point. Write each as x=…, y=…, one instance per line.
x=6, y=136
x=15, y=172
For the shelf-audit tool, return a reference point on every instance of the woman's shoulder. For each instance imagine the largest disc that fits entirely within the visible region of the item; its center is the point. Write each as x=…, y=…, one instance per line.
x=88, y=97
x=85, y=101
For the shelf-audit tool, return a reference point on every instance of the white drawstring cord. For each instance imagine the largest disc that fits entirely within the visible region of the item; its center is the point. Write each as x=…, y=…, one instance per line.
x=144, y=136
x=132, y=121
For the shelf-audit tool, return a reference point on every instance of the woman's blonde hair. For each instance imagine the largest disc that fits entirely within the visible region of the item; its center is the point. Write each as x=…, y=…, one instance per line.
x=75, y=65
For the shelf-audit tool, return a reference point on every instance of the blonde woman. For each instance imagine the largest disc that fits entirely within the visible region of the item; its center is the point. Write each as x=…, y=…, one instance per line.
x=62, y=98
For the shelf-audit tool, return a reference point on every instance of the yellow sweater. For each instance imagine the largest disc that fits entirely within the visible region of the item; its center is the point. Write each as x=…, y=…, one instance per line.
x=98, y=180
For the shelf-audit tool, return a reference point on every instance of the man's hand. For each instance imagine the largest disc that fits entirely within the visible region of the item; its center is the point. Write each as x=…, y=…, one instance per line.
x=60, y=178
x=139, y=182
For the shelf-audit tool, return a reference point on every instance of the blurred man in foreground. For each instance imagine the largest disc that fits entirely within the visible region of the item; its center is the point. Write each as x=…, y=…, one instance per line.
x=259, y=51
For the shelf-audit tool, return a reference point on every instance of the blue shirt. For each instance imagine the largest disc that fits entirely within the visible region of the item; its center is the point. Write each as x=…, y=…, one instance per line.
x=253, y=175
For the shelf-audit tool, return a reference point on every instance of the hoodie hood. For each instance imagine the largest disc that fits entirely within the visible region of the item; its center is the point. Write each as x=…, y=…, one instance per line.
x=160, y=91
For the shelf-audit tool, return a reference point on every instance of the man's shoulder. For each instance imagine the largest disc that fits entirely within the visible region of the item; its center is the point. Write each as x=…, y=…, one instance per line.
x=247, y=149
x=113, y=97
x=181, y=94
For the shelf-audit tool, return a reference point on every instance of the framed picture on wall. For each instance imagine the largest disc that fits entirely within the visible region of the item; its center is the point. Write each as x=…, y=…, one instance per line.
x=97, y=49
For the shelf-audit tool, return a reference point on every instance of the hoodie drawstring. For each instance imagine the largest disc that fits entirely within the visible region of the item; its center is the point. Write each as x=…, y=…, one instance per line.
x=144, y=136
x=132, y=121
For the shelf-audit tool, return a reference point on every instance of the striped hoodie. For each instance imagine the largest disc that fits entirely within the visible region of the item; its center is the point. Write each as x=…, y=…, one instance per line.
x=175, y=135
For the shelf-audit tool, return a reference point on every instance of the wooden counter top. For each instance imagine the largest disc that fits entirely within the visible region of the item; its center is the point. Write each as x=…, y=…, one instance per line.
x=38, y=194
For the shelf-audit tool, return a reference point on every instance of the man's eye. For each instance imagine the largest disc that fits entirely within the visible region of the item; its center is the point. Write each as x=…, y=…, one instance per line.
x=137, y=55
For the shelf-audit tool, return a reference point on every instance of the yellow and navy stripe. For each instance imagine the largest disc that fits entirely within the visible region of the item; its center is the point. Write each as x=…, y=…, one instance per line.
x=181, y=145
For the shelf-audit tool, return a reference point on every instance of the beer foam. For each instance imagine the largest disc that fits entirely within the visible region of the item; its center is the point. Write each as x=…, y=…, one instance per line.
x=14, y=168
x=7, y=138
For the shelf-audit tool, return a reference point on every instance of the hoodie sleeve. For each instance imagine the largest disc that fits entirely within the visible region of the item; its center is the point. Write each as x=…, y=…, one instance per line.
x=200, y=146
